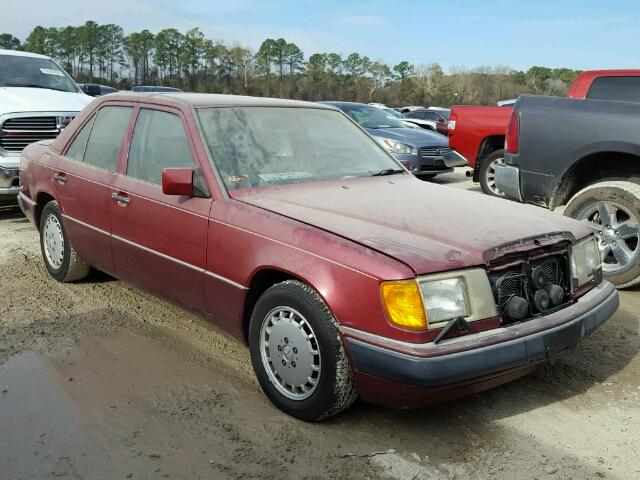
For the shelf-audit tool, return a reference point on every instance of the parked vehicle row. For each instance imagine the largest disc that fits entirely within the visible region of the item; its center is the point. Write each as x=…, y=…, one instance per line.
x=424, y=153
x=583, y=155
x=478, y=132
x=291, y=228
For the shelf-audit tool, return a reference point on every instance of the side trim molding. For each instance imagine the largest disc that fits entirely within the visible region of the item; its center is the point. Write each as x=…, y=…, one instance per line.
x=159, y=254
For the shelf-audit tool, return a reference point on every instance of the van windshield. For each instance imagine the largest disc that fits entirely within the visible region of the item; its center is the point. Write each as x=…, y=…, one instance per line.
x=33, y=72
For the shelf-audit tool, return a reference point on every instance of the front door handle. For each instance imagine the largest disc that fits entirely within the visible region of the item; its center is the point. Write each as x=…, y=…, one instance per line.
x=120, y=197
x=60, y=178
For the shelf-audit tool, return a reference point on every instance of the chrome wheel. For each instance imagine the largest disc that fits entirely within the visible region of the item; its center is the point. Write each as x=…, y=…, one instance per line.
x=290, y=353
x=490, y=177
x=53, y=241
x=618, y=233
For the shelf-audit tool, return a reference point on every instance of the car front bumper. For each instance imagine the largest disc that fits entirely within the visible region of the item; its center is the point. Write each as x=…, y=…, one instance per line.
x=429, y=165
x=9, y=181
x=485, y=354
x=508, y=181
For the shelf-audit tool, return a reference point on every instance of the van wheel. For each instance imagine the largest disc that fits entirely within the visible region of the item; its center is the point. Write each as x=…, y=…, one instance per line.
x=487, y=173
x=60, y=258
x=612, y=210
x=297, y=353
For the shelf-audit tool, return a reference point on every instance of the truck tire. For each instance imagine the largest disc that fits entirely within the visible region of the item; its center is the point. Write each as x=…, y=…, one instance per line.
x=488, y=171
x=59, y=257
x=297, y=353
x=612, y=209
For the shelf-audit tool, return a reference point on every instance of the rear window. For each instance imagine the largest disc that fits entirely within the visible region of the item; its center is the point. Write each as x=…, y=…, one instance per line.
x=617, y=89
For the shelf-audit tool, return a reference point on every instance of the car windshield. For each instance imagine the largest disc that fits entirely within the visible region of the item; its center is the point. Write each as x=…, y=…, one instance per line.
x=33, y=72
x=371, y=117
x=262, y=146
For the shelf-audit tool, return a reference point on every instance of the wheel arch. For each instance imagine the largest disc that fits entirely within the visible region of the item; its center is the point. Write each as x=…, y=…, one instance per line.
x=593, y=168
x=261, y=280
x=488, y=145
x=41, y=199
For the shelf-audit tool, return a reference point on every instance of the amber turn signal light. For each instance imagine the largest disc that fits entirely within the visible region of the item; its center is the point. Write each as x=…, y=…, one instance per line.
x=402, y=301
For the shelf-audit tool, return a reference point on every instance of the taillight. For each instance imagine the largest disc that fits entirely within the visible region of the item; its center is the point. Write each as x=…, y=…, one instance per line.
x=451, y=124
x=512, y=140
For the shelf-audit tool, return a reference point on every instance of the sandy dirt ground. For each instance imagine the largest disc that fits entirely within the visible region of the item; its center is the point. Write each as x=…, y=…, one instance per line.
x=101, y=380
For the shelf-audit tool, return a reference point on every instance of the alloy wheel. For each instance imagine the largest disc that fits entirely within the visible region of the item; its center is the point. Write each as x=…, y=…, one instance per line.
x=617, y=231
x=490, y=177
x=53, y=241
x=290, y=353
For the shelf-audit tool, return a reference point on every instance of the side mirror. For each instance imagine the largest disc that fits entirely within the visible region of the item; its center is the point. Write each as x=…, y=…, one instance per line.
x=91, y=89
x=177, y=181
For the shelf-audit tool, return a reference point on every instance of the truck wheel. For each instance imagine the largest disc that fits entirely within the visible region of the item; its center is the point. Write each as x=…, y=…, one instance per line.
x=612, y=209
x=60, y=258
x=488, y=173
x=297, y=353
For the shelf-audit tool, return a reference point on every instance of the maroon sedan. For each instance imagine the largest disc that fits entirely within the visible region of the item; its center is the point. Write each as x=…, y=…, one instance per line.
x=290, y=227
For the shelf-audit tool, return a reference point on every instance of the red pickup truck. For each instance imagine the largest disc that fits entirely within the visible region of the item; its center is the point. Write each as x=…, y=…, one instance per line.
x=477, y=132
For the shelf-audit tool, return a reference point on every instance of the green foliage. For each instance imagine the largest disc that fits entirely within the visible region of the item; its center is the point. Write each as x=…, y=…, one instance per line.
x=102, y=53
x=9, y=42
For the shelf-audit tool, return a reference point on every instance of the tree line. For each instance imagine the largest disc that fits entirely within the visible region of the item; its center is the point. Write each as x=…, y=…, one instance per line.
x=103, y=54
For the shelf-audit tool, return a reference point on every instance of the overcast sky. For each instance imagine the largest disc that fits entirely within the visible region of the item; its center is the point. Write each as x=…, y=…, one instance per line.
x=584, y=34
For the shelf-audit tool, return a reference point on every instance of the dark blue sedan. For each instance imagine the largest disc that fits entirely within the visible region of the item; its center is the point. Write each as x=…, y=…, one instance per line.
x=424, y=153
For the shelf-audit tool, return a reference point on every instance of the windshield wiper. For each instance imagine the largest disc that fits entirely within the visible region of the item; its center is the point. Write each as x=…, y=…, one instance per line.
x=387, y=171
x=35, y=85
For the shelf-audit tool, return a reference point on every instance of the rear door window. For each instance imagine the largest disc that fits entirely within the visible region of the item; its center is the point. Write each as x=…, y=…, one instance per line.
x=106, y=137
x=617, y=89
x=159, y=141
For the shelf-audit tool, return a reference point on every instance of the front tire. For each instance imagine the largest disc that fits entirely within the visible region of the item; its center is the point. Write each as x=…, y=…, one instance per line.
x=487, y=175
x=59, y=257
x=297, y=353
x=612, y=210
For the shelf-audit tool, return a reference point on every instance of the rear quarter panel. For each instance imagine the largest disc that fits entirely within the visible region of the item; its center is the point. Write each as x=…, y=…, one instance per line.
x=473, y=125
x=556, y=132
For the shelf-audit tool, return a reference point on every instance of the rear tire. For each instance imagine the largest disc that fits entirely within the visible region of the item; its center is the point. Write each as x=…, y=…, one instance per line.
x=487, y=173
x=59, y=257
x=612, y=210
x=291, y=323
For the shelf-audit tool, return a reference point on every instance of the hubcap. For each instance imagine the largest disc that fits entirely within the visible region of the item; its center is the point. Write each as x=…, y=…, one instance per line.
x=53, y=241
x=617, y=231
x=490, y=177
x=290, y=353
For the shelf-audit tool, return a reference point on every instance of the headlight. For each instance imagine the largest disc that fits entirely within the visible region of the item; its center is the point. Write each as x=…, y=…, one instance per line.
x=396, y=147
x=445, y=299
x=433, y=300
x=585, y=262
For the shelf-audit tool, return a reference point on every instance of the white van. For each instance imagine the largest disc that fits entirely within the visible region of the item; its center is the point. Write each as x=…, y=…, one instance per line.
x=37, y=100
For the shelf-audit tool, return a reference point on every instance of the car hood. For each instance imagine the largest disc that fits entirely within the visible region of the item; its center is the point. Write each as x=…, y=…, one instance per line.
x=412, y=136
x=428, y=227
x=22, y=99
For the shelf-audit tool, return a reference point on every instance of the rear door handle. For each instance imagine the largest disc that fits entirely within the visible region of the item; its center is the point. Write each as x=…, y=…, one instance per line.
x=60, y=178
x=120, y=197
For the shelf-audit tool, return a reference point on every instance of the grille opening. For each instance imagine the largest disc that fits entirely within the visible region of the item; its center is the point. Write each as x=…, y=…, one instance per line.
x=434, y=151
x=16, y=133
x=517, y=281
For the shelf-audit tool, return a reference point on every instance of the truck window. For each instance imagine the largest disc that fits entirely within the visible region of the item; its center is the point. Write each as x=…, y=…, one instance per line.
x=617, y=89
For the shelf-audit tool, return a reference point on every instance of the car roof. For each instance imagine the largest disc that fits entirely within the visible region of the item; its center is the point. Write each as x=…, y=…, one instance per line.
x=203, y=100
x=340, y=103
x=17, y=53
